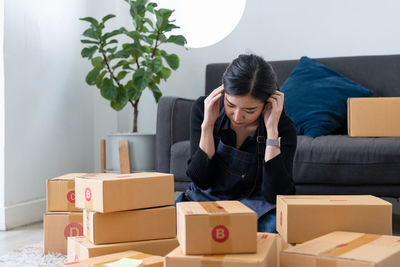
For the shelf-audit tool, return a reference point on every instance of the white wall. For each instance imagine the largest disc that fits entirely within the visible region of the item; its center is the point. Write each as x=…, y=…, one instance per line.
x=48, y=107
x=2, y=226
x=278, y=30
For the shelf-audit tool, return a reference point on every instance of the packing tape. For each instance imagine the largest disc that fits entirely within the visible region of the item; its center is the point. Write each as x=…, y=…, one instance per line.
x=213, y=207
x=220, y=233
x=139, y=256
x=346, y=247
x=212, y=261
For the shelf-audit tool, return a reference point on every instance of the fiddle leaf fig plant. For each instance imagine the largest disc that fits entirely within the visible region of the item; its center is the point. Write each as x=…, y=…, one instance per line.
x=123, y=70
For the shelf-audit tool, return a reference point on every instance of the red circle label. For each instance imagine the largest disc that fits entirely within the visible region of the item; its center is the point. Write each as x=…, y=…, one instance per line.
x=76, y=258
x=71, y=196
x=220, y=233
x=88, y=194
x=73, y=229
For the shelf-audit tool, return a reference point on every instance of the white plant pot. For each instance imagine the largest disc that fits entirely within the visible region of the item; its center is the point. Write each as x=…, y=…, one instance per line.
x=141, y=151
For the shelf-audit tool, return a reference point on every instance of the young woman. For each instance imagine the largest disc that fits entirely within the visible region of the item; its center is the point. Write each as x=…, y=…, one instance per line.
x=242, y=142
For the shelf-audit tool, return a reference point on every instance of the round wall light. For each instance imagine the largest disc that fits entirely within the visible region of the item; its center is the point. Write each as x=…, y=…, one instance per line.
x=204, y=22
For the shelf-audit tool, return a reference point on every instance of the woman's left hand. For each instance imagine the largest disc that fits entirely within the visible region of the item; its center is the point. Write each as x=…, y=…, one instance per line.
x=272, y=113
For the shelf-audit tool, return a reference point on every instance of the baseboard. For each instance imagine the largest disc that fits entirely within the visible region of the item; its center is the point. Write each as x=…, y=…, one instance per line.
x=22, y=214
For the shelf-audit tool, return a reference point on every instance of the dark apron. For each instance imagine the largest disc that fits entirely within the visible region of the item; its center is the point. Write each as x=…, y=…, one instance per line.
x=235, y=178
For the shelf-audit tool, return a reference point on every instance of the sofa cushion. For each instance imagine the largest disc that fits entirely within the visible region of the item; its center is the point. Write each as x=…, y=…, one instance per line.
x=316, y=98
x=180, y=153
x=344, y=160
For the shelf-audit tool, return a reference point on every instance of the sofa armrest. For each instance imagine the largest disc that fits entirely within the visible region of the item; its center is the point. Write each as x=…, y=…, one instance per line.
x=173, y=125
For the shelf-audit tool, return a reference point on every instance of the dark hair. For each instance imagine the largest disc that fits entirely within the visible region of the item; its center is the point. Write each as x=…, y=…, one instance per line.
x=250, y=74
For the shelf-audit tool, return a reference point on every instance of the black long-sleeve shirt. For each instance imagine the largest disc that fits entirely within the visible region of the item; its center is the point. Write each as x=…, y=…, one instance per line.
x=276, y=172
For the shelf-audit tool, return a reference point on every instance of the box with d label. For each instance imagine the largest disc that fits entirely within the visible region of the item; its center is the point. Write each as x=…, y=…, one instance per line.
x=110, y=192
x=303, y=217
x=61, y=193
x=216, y=227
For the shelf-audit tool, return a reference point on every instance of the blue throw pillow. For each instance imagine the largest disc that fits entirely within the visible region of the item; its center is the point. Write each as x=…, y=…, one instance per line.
x=316, y=98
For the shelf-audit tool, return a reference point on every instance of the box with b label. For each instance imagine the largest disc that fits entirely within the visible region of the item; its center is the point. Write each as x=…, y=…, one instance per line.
x=110, y=192
x=131, y=225
x=303, y=217
x=61, y=193
x=216, y=227
x=344, y=249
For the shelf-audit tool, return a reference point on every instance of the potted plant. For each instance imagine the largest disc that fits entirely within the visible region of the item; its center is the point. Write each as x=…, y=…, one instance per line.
x=123, y=70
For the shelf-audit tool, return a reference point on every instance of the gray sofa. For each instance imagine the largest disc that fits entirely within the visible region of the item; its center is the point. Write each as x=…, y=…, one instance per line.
x=333, y=164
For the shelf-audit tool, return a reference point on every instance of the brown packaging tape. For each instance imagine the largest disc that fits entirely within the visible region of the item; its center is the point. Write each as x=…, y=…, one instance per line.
x=356, y=243
x=212, y=207
x=139, y=256
x=219, y=226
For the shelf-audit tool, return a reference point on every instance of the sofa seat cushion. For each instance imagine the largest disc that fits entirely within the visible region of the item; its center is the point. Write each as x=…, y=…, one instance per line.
x=180, y=153
x=340, y=159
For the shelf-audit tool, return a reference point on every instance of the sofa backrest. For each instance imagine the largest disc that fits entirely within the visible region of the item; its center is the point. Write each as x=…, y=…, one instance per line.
x=381, y=74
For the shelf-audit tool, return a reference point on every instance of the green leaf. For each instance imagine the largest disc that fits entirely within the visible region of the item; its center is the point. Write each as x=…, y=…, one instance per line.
x=92, y=75
x=141, y=79
x=91, y=20
x=149, y=22
x=156, y=91
x=165, y=73
x=113, y=33
x=172, y=60
x=135, y=35
x=110, y=16
x=177, y=39
x=88, y=51
x=112, y=50
x=133, y=92
x=155, y=64
x=108, y=90
x=162, y=16
x=113, y=41
x=121, y=75
x=91, y=33
x=99, y=80
x=150, y=7
x=89, y=42
x=121, y=100
x=120, y=63
x=170, y=27
x=97, y=62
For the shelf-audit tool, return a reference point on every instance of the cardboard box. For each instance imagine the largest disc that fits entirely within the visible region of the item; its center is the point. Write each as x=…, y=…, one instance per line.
x=216, y=227
x=345, y=249
x=131, y=225
x=373, y=116
x=61, y=193
x=268, y=248
x=148, y=260
x=58, y=226
x=302, y=218
x=80, y=248
x=110, y=192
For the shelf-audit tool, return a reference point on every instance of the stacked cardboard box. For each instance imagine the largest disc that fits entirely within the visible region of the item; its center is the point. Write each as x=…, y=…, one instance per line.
x=327, y=230
x=227, y=228
x=125, y=212
x=62, y=218
x=126, y=258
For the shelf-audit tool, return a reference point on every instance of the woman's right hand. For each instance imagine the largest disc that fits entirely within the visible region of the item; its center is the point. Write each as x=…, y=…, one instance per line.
x=211, y=107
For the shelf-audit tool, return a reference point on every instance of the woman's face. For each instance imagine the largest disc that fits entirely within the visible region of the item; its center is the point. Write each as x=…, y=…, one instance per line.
x=242, y=110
